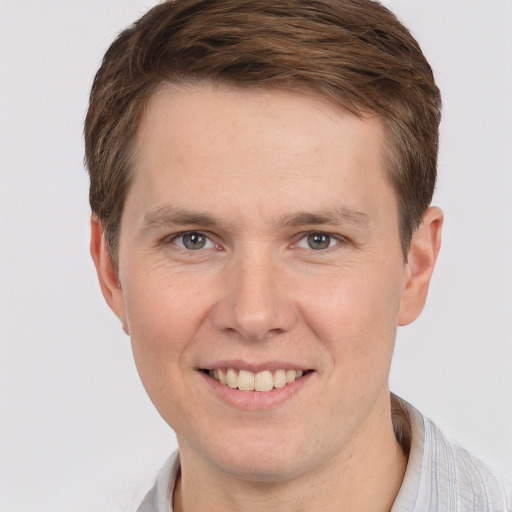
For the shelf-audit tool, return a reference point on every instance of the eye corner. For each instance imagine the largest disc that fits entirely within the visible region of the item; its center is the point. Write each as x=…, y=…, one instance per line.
x=318, y=241
x=191, y=241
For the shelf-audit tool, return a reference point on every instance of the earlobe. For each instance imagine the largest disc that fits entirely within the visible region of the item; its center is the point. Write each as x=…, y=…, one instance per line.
x=424, y=248
x=107, y=275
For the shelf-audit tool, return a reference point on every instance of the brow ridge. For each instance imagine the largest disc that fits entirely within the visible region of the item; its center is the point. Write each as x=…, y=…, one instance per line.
x=337, y=216
x=171, y=215
x=167, y=215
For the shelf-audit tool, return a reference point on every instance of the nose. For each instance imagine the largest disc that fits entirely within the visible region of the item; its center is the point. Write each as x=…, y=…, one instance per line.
x=254, y=301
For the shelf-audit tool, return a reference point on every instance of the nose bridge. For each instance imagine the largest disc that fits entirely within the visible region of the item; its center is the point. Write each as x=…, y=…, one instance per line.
x=254, y=302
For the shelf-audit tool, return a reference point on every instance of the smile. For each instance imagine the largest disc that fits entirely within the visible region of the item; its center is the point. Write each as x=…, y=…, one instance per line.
x=263, y=381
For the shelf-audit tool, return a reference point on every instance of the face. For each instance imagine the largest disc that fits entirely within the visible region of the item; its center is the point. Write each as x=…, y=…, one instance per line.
x=259, y=248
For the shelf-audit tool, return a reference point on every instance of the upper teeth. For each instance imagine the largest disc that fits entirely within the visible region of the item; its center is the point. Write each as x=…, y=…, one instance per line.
x=250, y=381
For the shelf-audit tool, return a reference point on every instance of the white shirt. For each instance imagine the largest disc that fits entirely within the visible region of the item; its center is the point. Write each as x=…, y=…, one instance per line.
x=439, y=477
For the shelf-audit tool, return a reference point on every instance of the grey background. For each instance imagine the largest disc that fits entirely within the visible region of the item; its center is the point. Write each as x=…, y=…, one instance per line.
x=77, y=432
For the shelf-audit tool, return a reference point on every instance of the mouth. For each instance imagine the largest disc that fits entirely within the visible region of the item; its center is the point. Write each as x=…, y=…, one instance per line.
x=262, y=381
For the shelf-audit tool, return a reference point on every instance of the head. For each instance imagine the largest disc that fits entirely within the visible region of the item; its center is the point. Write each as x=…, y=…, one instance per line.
x=260, y=180
x=354, y=53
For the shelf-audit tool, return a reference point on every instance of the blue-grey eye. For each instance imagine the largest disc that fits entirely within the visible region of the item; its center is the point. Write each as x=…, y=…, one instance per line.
x=319, y=241
x=194, y=240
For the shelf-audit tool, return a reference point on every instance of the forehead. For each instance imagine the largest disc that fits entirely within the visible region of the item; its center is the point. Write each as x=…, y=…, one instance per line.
x=256, y=148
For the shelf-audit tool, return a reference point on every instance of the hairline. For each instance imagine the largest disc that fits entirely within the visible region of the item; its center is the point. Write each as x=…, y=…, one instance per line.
x=389, y=151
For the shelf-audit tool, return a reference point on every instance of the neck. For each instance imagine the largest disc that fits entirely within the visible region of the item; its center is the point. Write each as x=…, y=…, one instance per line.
x=366, y=475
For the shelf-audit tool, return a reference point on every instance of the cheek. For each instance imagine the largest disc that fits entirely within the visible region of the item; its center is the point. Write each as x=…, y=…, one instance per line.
x=354, y=321
x=164, y=317
x=164, y=314
x=356, y=317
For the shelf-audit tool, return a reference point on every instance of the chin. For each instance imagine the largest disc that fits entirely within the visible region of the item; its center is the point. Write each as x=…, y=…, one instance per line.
x=257, y=458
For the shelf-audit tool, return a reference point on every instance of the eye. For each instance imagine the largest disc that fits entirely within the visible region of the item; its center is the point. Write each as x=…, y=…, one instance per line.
x=317, y=241
x=193, y=241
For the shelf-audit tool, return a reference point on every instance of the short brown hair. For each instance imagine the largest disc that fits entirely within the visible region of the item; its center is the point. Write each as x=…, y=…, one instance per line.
x=353, y=52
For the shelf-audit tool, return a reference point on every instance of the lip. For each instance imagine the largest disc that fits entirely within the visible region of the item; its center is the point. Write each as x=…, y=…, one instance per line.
x=255, y=400
x=240, y=364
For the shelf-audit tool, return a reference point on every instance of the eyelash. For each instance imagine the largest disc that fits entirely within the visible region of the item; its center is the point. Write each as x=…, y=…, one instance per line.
x=208, y=240
x=332, y=238
x=173, y=238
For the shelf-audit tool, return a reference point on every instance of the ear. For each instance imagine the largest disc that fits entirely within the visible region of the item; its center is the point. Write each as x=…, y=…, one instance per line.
x=107, y=275
x=423, y=251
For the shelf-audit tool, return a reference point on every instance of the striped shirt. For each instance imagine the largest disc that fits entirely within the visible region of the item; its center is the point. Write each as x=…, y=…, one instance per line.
x=439, y=477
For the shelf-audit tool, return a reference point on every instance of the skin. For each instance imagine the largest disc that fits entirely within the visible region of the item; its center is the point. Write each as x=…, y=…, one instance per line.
x=256, y=172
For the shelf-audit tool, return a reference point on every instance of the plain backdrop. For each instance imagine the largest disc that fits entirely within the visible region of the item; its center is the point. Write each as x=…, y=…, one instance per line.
x=77, y=432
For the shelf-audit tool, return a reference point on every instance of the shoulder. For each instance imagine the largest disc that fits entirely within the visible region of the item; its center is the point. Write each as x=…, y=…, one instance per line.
x=158, y=499
x=464, y=480
x=148, y=503
x=442, y=476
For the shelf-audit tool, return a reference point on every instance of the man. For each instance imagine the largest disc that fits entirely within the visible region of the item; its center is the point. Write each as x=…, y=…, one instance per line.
x=261, y=175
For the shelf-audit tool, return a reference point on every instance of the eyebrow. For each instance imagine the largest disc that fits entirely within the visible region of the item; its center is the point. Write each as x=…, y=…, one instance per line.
x=337, y=216
x=168, y=215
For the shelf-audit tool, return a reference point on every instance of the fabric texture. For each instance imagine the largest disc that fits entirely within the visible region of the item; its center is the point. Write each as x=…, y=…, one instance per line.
x=158, y=499
x=439, y=477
